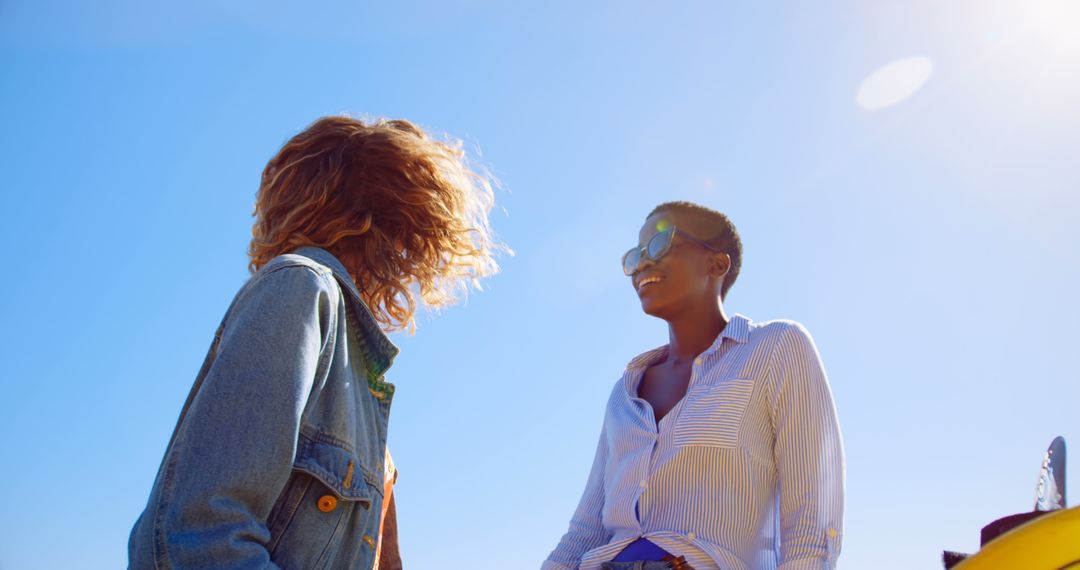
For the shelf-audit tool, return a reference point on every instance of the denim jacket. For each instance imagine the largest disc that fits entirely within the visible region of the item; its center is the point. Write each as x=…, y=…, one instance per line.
x=277, y=458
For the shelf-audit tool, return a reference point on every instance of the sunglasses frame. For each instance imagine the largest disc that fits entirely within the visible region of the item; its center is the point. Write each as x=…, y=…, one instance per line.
x=643, y=251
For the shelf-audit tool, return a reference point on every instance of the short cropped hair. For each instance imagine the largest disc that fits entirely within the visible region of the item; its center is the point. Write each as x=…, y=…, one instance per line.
x=724, y=236
x=400, y=210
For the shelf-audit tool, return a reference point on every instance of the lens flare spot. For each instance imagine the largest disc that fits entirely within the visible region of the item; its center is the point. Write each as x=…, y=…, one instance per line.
x=894, y=83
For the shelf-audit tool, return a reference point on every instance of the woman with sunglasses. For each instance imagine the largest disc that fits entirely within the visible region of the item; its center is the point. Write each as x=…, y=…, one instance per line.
x=720, y=449
x=279, y=457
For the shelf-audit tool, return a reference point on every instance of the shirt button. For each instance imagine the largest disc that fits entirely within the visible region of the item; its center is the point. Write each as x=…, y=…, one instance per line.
x=691, y=535
x=327, y=503
x=697, y=361
x=832, y=533
x=644, y=483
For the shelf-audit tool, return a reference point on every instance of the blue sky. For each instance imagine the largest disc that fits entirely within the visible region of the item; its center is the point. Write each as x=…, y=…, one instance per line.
x=930, y=246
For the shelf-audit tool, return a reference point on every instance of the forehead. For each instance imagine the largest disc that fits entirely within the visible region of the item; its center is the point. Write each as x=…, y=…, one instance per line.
x=686, y=222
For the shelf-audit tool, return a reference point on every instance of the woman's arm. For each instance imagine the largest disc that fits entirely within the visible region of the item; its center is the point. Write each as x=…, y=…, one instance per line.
x=809, y=457
x=234, y=448
x=586, y=527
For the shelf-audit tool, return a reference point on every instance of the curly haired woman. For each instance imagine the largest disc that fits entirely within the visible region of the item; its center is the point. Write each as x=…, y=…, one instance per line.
x=279, y=458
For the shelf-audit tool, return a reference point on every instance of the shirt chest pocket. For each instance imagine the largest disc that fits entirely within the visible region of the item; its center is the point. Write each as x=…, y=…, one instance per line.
x=713, y=415
x=328, y=512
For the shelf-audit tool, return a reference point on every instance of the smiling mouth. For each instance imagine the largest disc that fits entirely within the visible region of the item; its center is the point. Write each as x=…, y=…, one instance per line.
x=648, y=281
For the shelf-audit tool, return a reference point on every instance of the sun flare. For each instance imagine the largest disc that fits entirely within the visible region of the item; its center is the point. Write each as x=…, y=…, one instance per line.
x=894, y=82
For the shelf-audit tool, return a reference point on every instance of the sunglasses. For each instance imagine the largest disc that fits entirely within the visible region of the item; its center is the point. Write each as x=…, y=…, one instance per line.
x=657, y=247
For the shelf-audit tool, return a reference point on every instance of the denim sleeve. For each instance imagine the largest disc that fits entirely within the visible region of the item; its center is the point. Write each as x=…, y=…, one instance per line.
x=233, y=450
x=586, y=527
x=809, y=456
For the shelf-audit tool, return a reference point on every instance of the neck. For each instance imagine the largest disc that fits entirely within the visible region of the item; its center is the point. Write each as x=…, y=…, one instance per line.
x=690, y=333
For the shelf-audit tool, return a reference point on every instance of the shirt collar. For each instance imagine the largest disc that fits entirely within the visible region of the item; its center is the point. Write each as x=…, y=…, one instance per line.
x=648, y=358
x=737, y=329
x=379, y=350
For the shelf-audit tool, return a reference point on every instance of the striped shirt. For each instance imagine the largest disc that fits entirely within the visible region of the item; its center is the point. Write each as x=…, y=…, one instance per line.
x=745, y=472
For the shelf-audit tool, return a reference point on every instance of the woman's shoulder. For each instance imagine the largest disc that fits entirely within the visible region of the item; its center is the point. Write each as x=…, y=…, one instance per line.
x=293, y=262
x=776, y=330
x=291, y=277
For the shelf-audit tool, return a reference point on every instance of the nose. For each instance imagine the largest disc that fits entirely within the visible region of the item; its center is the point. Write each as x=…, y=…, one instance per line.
x=643, y=262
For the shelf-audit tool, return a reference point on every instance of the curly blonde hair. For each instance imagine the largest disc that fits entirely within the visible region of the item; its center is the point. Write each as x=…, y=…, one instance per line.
x=403, y=212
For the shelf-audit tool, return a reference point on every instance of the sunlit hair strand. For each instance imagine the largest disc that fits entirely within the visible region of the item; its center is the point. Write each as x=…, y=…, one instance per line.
x=405, y=213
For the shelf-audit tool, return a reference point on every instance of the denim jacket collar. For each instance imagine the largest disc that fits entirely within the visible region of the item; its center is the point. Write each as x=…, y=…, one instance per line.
x=381, y=351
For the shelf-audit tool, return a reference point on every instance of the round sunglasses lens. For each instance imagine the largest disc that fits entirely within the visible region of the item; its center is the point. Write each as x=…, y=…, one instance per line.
x=630, y=261
x=659, y=244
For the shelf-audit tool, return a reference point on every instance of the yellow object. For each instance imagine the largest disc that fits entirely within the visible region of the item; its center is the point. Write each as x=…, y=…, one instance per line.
x=1050, y=542
x=327, y=503
x=348, y=475
x=389, y=479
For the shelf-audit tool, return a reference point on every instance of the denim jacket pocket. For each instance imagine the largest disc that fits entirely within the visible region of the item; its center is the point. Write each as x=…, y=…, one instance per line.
x=713, y=416
x=314, y=515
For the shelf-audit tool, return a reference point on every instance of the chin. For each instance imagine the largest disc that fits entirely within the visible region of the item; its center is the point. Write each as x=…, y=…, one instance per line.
x=654, y=309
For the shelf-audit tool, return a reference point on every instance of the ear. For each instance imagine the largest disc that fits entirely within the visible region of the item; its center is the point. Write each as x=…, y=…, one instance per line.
x=721, y=264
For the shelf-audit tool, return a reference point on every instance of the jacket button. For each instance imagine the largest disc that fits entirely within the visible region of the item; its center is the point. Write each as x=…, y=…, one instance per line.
x=370, y=541
x=327, y=503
